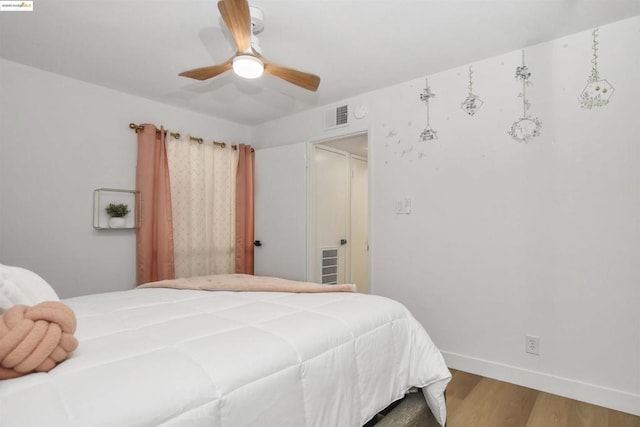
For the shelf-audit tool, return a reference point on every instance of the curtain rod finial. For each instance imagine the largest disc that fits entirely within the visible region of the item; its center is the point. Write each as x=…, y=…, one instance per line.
x=137, y=128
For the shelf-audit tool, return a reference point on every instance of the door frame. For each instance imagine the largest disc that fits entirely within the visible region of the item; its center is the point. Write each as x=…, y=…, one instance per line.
x=310, y=229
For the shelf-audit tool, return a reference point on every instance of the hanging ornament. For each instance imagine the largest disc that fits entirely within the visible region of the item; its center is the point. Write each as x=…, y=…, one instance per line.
x=526, y=127
x=473, y=102
x=597, y=92
x=428, y=134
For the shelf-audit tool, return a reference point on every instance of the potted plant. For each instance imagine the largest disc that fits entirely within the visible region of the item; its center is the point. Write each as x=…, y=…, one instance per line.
x=117, y=212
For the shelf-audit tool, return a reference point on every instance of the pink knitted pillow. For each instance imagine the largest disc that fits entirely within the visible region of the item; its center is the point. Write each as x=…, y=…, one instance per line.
x=35, y=339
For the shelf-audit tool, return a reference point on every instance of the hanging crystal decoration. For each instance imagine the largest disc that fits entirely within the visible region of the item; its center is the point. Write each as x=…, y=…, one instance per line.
x=597, y=92
x=428, y=134
x=526, y=127
x=473, y=101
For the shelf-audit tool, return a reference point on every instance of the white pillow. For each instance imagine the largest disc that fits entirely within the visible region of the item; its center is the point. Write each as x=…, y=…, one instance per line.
x=21, y=286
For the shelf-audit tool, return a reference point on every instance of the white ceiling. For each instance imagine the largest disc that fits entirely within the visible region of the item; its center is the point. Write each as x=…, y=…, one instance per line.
x=140, y=46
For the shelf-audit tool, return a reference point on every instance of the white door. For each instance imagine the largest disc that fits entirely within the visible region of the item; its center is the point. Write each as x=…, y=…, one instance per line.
x=330, y=180
x=281, y=211
x=358, y=239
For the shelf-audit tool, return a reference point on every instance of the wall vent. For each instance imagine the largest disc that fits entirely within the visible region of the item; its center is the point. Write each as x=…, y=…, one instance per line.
x=329, y=262
x=336, y=117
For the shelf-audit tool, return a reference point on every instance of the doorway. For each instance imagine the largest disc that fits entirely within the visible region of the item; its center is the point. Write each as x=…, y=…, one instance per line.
x=339, y=212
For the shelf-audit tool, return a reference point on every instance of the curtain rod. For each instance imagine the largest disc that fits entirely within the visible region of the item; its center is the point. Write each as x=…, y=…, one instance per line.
x=140, y=128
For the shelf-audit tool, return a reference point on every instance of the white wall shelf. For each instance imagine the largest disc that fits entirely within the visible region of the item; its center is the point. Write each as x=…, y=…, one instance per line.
x=102, y=197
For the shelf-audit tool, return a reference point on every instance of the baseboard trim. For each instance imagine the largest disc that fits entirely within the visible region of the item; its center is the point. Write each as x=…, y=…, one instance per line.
x=578, y=390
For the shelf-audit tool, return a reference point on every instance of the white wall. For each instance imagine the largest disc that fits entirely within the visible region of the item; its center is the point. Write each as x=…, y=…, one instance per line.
x=505, y=238
x=59, y=140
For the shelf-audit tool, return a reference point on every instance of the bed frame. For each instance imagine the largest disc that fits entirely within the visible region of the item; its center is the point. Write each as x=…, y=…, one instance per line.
x=410, y=411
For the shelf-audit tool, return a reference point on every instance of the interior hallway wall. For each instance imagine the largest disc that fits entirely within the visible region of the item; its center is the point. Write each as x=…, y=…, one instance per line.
x=60, y=139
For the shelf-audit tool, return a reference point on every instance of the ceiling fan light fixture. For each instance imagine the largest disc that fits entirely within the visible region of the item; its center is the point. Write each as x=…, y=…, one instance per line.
x=243, y=22
x=248, y=66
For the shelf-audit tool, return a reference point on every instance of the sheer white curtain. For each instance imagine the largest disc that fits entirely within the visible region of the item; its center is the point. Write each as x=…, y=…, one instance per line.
x=202, y=177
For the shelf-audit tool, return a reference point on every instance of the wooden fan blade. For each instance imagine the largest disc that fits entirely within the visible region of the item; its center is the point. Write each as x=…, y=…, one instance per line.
x=299, y=78
x=236, y=15
x=205, y=73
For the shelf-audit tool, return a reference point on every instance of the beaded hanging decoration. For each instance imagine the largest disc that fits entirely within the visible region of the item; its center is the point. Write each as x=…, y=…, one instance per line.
x=597, y=92
x=526, y=127
x=428, y=134
x=473, y=101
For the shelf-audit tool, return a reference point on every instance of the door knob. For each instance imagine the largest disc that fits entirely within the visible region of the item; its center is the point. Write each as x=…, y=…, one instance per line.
x=257, y=243
x=343, y=241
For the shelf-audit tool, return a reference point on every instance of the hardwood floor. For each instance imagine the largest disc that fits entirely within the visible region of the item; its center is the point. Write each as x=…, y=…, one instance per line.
x=475, y=401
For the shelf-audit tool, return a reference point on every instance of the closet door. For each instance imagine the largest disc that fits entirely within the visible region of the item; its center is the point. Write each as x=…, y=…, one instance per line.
x=331, y=176
x=359, y=240
x=281, y=211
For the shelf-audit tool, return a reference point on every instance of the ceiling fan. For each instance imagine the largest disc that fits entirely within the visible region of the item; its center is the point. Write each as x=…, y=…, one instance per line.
x=248, y=61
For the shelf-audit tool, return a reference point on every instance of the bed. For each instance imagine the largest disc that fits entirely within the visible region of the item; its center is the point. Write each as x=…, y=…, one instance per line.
x=169, y=357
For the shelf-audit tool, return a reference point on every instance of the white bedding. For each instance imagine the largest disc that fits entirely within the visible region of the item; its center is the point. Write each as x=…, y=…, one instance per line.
x=150, y=357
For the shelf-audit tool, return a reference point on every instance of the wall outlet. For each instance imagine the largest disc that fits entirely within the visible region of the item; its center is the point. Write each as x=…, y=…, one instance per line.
x=532, y=344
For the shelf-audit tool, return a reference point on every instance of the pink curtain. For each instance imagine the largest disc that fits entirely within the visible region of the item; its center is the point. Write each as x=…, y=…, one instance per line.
x=244, y=210
x=155, y=232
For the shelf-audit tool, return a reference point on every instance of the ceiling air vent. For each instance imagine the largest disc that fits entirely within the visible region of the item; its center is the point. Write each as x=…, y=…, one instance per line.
x=336, y=117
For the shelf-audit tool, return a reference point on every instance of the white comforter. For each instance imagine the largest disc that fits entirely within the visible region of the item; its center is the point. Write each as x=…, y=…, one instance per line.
x=150, y=357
